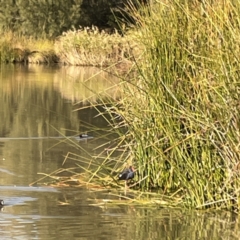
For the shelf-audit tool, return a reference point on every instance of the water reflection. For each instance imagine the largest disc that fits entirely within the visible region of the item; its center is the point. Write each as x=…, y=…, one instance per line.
x=35, y=97
x=46, y=218
x=85, y=84
x=39, y=101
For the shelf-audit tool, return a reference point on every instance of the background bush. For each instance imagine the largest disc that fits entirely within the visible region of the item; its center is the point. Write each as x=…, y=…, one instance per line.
x=49, y=18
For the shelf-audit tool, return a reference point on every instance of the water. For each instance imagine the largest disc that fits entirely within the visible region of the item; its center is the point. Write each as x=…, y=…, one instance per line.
x=38, y=107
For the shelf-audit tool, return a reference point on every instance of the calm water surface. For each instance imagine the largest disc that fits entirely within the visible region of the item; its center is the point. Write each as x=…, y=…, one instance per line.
x=40, y=101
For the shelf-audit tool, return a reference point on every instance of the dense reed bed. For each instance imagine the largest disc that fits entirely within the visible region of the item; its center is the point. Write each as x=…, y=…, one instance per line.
x=92, y=47
x=181, y=112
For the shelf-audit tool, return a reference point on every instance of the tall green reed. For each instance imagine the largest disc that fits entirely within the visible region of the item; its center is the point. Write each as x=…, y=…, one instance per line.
x=181, y=111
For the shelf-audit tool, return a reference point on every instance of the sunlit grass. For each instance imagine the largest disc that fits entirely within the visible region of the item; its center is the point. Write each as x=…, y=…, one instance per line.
x=180, y=112
x=92, y=47
x=84, y=47
x=17, y=48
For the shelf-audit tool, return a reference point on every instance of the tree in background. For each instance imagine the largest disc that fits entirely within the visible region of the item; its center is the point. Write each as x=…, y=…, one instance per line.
x=8, y=15
x=39, y=18
x=108, y=13
x=101, y=13
x=50, y=18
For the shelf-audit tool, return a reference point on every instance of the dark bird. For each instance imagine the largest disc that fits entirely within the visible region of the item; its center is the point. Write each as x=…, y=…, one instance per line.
x=127, y=174
x=83, y=136
x=1, y=202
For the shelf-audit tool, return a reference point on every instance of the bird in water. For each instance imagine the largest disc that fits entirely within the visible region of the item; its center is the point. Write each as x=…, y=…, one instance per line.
x=83, y=136
x=1, y=202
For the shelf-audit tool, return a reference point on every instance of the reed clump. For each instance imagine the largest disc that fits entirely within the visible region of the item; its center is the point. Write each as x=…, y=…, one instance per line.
x=82, y=47
x=92, y=47
x=181, y=111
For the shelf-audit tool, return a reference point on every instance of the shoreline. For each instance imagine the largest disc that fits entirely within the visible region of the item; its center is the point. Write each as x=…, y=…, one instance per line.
x=76, y=47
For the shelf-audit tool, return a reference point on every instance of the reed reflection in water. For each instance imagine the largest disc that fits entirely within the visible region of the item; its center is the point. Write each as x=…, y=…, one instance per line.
x=48, y=218
x=39, y=101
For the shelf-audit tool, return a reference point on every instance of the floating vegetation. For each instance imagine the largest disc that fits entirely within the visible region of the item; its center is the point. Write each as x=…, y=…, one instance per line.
x=109, y=185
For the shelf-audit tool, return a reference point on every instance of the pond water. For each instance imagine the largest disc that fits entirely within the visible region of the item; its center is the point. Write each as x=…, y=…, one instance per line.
x=38, y=107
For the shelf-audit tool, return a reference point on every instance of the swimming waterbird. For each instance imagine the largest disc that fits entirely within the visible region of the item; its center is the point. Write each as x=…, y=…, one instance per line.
x=84, y=136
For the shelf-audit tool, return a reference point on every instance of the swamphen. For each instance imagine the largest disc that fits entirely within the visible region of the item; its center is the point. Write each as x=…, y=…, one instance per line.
x=127, y=174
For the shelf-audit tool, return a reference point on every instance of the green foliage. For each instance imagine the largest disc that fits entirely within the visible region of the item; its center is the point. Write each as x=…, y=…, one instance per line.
x=103, y=13
x=45, y=18
x=8, y=15
x=50, y=18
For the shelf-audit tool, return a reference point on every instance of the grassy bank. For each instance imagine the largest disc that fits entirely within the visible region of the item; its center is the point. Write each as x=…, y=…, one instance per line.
x=182, y=111
x=19, y=49
x=83, y=47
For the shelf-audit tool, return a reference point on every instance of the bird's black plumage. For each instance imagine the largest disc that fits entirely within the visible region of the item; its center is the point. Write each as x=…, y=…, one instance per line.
x=127, y=174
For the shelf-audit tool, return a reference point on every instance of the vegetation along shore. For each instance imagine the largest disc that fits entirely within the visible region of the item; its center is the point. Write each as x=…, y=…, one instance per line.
x=178, y=117
x=82, y=47
x=76, y=32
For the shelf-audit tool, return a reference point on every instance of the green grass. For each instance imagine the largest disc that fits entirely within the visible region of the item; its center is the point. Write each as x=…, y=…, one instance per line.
x=181, y=109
